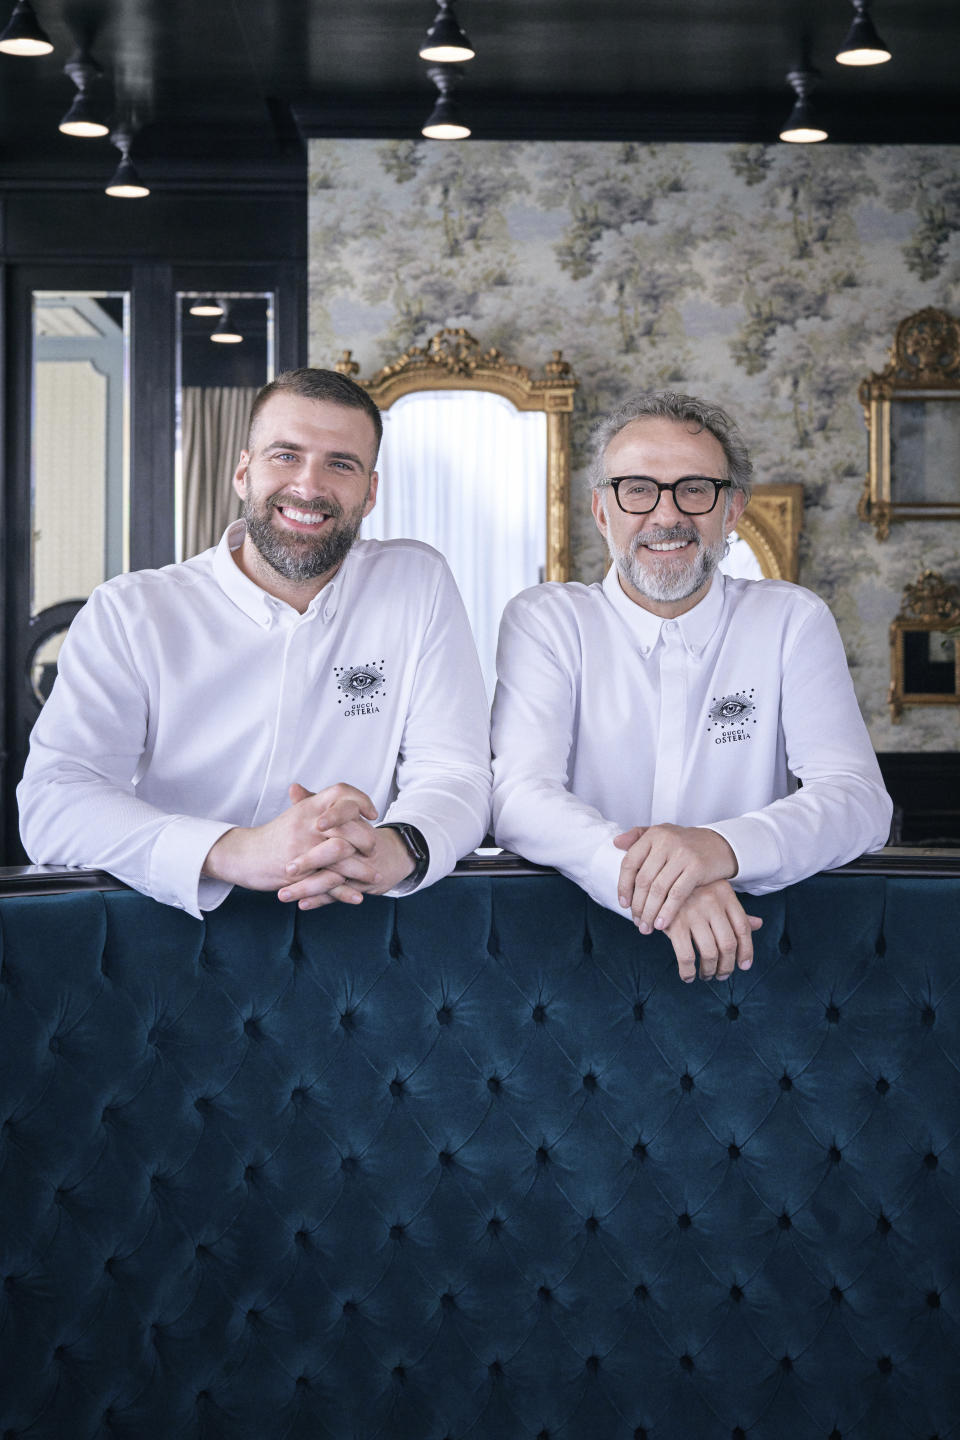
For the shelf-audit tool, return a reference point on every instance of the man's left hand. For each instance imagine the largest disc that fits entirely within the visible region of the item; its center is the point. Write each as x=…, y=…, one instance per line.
x=380, y=846
x=663, y=866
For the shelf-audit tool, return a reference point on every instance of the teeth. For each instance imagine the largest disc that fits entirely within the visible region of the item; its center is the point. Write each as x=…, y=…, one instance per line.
x=303, y=517
x=673, y=545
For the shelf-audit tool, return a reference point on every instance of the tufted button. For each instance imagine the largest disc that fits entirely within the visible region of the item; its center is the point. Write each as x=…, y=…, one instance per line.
x=733, y=1151
x=495, y=1370
x=347, y=1020
x=591, y=1224
x=445, y=1158
x=54, y=1045
x=785, y=1082
x=494, y=1225
x=253, y=1316
x=350, y=1307
x=933, y=1299
x=834, y=1154
x=640, y=1151
x=494, y=1085
x=686, y=1363
x=638, y=1010
x=202, y=1397
x=302, y=1383
x=298, y=1094
x=929, y=1015
x=590, y=1081
x=202, y=1103
x=786, y=1364
x=110, y=1265
x=250, y=1172
x=783, y=1221
x=738, y=1433
x=447, y=1302
x=836, y=1294
x=539, y=1014
x=396, y=1231
x=736, y=1294
x=349, y=1164
x=784, y=945
x=302, y=1238
x=546, y=1294
x=684, y=1221
x=835, y=1434
x=883, y=1225
x=444, y=1015
x=832, y=1014
x=882, y=1086
x=686, y=1082
x=543, y=1435
x=640, y=1433
x=641, y=1292
x=930, y=1160
x=153, y=1035
x=400, y=1374
x=396, y=1087
x=733, y=1012
x=885, y=1365
x=543, y=1155
x=592, y=1364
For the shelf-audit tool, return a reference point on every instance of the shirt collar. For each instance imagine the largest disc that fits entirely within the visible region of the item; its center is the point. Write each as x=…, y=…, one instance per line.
x=696, y=625
x=251, y=598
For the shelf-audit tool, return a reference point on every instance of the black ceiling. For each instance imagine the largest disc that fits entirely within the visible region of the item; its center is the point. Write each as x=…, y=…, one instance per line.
x=232, y=87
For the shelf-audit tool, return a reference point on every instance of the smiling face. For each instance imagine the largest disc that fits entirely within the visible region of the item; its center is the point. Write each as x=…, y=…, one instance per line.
x=306, y=481
x=665, y=559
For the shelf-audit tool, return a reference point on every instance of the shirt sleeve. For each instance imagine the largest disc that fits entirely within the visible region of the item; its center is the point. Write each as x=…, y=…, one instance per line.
x=78, y=801
x=535, y=713
x=443, y=768
x=843, y=809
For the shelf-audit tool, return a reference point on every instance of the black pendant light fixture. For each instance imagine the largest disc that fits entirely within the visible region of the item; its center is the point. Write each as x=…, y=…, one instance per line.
x=863, y=45
x=24, y=34
x=126, y=183
x=445, y=41
x=802, y=128
x=206, y=305
x=82, y=118
x=225, y=332
x=444, y=122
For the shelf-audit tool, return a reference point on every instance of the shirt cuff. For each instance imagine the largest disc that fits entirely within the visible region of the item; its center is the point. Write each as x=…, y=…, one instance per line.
x=177, y=861
x=603, y=877
x=755, y=848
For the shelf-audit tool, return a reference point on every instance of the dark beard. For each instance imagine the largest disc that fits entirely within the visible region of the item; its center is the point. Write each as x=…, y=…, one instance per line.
x=298, y=558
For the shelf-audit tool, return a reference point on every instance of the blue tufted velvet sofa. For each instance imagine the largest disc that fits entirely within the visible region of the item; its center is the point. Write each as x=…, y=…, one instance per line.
x=477, y=1166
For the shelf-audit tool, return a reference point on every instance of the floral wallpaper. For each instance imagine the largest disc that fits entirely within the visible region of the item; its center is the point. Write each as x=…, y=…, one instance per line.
x=767, y=278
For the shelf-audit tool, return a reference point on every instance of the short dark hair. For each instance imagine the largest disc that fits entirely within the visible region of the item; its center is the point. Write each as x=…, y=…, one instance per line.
x=314, y=384
x=685, y=410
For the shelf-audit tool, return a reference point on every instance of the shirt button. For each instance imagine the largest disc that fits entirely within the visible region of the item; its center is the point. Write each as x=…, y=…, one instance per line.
x=670, y=625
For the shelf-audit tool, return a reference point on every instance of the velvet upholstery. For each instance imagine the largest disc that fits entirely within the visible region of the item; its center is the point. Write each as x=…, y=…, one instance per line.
x=477, y=1164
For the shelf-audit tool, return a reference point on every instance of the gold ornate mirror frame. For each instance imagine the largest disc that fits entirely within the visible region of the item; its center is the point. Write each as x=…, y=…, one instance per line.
x=453, y=360
x=924, y=366
x=930, y=606
x=771, y=527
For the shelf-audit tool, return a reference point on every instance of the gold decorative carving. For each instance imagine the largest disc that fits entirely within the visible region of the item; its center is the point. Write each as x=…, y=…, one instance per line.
x=924, y=367
x=930, y=605
x=771, y=526
x=453, y=360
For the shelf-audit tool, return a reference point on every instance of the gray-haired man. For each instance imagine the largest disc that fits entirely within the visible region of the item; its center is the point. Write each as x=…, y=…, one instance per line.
x=649, y=731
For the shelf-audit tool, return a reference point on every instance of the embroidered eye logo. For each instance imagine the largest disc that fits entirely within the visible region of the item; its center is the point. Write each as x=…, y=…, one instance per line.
x=732, y=709
x=358, y=682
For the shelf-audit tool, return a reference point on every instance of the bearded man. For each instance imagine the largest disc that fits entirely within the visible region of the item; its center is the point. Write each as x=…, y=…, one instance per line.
x=244, y=718
x=649, y=732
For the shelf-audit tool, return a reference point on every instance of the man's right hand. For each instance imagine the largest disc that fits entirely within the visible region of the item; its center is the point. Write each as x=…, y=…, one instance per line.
x=713, y=924
x=257, y=857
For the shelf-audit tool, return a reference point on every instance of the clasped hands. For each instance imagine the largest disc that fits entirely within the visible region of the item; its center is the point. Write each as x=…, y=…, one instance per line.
x=323, y=848
x=675, y=878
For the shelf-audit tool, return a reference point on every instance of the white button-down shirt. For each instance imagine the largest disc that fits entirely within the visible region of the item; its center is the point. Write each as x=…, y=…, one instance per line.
x=607, y=716
x=188, y=700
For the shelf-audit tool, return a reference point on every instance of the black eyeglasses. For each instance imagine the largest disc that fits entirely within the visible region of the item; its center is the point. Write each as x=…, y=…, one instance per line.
x=693, y=495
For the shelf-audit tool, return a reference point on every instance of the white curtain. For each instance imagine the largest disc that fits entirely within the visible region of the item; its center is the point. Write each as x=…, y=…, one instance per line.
x=466, y=472
x=214, y=432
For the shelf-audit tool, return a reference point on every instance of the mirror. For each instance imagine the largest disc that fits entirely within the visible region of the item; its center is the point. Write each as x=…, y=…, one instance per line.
x=225, y=352
x=80, y=451
x=912, y=413
x=476, y=462
x=924, y=656
x=769, y=532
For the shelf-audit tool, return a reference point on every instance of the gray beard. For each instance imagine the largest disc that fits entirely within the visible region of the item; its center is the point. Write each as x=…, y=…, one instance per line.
x=307, y=557
x=663, y=580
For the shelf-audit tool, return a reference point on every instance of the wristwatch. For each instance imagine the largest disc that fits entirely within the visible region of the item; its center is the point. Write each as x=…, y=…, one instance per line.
x=419, y=854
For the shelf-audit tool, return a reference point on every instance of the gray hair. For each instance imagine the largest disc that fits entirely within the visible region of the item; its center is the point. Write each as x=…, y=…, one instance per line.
x=685, y=410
